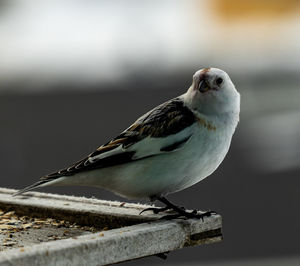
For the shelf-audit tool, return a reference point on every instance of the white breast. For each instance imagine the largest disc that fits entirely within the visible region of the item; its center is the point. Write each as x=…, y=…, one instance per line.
x=202, y=156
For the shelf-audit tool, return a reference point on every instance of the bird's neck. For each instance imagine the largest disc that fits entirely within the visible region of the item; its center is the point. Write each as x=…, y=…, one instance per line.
x=226, y=119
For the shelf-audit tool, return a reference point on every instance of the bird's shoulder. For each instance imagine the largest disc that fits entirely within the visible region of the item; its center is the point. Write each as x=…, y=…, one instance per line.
x=164, y=120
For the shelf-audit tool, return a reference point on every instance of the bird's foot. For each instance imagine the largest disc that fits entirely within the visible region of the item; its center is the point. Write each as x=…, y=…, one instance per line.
x=179, y=211
x=156, y=210
x=193, y=214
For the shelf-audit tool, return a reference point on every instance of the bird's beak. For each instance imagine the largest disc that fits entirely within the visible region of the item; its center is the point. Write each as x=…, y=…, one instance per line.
x=203, y=86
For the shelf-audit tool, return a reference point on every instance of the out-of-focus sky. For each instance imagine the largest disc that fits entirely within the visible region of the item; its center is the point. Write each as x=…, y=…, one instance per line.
x=99, y=41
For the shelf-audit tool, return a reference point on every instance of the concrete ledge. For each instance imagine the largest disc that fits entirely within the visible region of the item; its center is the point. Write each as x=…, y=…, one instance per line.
x=139, y=235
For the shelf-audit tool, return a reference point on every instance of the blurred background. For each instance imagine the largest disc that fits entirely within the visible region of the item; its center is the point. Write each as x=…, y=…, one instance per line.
x=75, y=73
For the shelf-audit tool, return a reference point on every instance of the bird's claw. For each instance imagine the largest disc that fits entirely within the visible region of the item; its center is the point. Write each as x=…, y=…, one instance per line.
x=155, y=210
x=148, y=209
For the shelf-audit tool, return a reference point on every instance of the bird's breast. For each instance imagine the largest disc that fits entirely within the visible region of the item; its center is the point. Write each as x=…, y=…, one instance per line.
x=202, y=155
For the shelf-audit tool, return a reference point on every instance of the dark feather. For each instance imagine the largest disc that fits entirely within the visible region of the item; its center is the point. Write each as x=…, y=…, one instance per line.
x=86, y=165
x=36, y=184
x=166, y=119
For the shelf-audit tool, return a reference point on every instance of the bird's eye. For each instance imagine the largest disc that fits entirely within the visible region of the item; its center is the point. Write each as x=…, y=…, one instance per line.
x=219, y=81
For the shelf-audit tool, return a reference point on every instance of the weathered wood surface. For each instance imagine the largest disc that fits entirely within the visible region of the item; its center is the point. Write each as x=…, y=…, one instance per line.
x=134, y=235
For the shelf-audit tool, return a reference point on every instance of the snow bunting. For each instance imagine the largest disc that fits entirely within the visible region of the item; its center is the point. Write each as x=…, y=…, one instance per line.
x=170, y=148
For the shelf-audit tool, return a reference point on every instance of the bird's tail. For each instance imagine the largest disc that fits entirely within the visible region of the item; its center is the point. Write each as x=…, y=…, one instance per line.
x=40, y=183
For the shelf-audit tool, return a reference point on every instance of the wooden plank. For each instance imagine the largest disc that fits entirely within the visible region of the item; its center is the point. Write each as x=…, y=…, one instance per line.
x=138, y=236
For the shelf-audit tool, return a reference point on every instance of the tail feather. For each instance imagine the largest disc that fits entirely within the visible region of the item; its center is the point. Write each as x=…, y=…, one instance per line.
x=37, y=184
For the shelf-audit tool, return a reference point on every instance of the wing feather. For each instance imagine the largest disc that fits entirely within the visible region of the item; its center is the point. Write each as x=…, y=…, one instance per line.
x=156, y=132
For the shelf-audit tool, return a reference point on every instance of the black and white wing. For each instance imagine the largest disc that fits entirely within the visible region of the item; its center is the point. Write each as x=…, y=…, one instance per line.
x=156, y=132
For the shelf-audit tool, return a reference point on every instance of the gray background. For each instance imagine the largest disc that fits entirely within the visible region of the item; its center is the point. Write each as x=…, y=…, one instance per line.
x=74, y=74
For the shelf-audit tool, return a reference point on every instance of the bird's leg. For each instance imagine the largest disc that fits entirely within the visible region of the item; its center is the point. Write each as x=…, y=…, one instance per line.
x=182, y=212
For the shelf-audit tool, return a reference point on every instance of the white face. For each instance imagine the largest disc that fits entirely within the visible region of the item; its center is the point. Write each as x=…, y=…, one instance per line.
x=212, y=92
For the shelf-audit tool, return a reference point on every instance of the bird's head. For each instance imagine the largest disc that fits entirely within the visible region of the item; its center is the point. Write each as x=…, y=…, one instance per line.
x=212, y=92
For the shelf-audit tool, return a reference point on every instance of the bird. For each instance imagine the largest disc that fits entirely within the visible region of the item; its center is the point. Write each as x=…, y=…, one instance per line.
x=170, y=148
